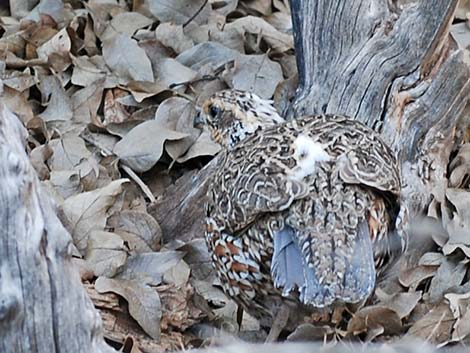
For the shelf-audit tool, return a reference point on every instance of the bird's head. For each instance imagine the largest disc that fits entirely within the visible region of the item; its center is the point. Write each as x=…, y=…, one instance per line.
x=233, y=115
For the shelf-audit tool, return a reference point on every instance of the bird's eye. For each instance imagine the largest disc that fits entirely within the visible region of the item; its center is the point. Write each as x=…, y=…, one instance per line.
x=214, y=111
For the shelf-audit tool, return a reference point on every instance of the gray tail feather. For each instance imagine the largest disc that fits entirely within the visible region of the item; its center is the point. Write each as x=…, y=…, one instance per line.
x=287, y=265
x=291, y=271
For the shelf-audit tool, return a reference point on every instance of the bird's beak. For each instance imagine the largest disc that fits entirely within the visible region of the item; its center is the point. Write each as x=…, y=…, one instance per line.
x=199, y=120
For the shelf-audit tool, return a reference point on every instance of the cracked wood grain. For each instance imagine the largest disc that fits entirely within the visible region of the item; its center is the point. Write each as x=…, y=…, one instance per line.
x=43, y=306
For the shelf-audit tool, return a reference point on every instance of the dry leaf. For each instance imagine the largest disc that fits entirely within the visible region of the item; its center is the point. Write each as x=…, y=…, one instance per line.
x=106, y=253
x=208, y=53
x=144, y=302
x=435, y=327
x=129, y=22
x=179, y=11
x=87, y=212
x=142, y=147
x=277, y=40
x=258, y=74
x=137, y=225
x=172, y=36
x=150, y=267
x=57, y=101
x=380, y=319
x=130, y=62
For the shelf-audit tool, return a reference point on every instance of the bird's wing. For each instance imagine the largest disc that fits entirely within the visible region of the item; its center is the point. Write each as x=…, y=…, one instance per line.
x=373, y=167
x=253, y=180
x=361, y=155
x=365, y=159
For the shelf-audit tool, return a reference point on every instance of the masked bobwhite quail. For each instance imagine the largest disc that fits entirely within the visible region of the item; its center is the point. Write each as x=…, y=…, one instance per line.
x=299, y=213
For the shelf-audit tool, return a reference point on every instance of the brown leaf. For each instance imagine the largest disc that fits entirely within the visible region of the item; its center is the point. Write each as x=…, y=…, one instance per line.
x=457, y=224
x=124, y=56
x=172, y=36
x=144, y=302
x=277, y=40
x=86, y=102
x=435, y=327
x=179, y=11
x=58, y=102
x=460, y=164
x=150, y=267
x=114, y=112
x=129, y=22
x=375, y=318
x=68, y=153
x=142, y=147
x=258, y=74
x=137, y=225
x=87, y=212
x=208, y=53
x=449, y=274
x=106, y=253
x=203, y=146
x=401, y=303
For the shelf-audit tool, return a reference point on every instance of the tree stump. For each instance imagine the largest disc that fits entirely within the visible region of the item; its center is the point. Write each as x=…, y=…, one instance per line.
x=392, y=67
x=43, y=305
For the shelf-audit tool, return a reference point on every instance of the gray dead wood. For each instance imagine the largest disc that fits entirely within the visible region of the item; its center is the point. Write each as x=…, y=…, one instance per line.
x=395, y=69
x=43, y=306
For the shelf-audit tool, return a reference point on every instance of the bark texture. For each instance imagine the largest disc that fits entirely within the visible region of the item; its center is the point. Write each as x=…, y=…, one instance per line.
x=43, y=306
x=391, y=65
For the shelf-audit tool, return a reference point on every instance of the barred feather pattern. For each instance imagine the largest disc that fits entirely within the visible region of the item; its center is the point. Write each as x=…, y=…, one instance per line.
x=318, y=178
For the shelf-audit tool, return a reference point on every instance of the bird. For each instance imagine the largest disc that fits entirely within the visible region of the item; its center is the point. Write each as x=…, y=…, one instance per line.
x=300, y=214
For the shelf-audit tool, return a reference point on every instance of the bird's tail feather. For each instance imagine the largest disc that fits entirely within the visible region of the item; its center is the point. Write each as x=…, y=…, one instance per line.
x=291, y=271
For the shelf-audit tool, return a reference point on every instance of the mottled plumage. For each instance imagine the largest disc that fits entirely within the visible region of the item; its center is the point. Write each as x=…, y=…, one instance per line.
x=299, y=212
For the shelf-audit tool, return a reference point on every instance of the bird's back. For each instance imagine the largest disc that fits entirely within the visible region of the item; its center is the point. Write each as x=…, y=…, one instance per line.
x=299, y=210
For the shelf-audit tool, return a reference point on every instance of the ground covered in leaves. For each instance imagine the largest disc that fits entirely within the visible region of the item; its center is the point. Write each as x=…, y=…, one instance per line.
x=108, y=91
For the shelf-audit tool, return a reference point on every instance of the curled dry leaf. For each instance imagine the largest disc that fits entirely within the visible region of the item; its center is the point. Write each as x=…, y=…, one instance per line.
x=139, y=229
x=460, y=166
x=106, y=253
x=144, y=302
x=58, y=44
x=434, y=327
x=401, y=303
x=377, y=319
x=457, y=224
x=87, y=212
x=460, y=305
x=277, y=40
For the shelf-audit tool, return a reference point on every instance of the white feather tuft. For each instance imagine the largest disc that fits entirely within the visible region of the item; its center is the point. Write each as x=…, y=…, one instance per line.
x=307, y=152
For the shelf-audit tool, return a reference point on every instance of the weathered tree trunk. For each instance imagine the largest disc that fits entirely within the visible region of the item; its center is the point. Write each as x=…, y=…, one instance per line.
x=43, y=306
x=395, y=69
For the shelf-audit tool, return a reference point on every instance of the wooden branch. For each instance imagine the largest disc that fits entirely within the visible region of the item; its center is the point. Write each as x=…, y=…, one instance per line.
x=180, y=211
x=43, y=306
